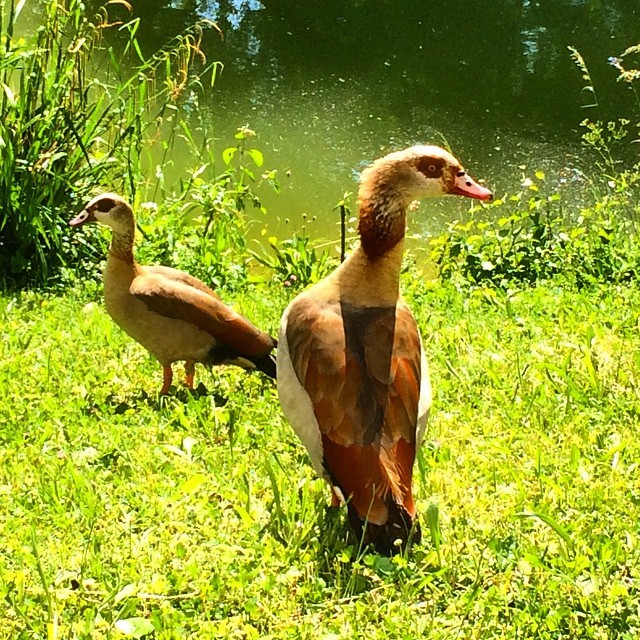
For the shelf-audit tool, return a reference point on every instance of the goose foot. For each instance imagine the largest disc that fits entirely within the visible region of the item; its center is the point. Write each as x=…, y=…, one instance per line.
x=189, y=370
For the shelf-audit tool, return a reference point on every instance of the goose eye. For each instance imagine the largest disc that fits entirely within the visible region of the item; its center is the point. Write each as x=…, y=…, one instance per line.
x=430, y=167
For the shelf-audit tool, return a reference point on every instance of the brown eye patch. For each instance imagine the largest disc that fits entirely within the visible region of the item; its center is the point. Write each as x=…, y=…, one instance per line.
x=431, y=167
x=105, y=204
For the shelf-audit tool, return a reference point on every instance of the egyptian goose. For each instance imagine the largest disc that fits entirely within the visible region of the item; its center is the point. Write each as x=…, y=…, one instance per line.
x=172, y=314
x=352, y=374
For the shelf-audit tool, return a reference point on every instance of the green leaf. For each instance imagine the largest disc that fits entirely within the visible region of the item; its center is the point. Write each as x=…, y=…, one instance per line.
x=126, y=592
x=135, y=627
x=228, y=154
x=551, y=522
x=199, y=171
x=244, y=515
x=19, y=8
x=256, y=156
x=193, y=483
x=10, y=95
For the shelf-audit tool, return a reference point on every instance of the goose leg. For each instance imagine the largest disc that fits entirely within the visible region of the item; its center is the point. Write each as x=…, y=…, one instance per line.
x=167, y=378
x=189, y=370
x=335, y=498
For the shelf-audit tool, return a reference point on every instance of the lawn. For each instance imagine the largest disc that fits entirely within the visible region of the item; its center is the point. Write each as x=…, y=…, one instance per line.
x=198, y=516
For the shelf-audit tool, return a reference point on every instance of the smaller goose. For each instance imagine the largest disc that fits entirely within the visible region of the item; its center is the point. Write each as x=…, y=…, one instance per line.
x=172, y=314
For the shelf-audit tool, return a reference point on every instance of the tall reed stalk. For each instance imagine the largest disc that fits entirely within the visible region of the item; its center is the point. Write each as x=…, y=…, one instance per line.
x=64, y=131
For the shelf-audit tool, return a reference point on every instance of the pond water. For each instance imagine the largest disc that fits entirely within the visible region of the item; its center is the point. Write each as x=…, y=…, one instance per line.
x=329, y=86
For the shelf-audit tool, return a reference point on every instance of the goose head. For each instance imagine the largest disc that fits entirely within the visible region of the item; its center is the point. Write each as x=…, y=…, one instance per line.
x=392, y=182
x=418, y=172
x=109, y=209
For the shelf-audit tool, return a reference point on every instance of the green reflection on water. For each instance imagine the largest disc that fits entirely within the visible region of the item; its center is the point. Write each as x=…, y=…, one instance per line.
x=331, y=85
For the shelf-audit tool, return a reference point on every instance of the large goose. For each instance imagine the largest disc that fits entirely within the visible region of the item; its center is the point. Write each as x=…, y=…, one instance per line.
x=352, y=375
x=172, y=314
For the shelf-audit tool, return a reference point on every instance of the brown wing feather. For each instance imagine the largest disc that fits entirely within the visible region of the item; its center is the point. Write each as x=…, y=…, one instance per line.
x=179, y=276
x=361, y=370
x=177, y=300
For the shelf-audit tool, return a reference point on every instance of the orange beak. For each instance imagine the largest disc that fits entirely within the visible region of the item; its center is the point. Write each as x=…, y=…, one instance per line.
x=81, y=218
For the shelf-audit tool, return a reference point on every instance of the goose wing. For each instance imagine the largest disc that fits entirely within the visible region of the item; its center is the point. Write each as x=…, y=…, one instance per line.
x=180, y=300
x=180, y=276
x=360, y=369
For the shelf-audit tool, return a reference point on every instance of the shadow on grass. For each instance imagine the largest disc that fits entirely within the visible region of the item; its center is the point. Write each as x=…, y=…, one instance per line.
x=119, y=405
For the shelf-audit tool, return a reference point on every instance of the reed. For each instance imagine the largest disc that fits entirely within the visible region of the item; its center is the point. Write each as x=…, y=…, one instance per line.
x=75, y=117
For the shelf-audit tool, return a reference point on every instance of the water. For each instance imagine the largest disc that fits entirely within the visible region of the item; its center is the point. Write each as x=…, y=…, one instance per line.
x=331, y=85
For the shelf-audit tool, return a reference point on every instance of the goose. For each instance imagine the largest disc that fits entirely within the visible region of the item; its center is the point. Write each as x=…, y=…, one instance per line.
x=352, y=376
x=175, y=316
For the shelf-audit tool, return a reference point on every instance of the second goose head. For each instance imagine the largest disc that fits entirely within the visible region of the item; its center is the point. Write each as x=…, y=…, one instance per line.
x=109, y=209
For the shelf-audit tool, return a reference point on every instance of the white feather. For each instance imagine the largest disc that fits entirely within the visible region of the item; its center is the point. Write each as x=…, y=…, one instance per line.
x=296, y=403
x=424, y=404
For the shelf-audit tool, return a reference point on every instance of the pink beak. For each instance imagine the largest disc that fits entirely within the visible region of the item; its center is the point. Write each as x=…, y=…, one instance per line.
x=465, y=185
x=81, y=218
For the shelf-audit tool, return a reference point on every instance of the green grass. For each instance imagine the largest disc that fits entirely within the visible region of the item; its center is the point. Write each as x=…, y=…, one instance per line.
x=199, y=516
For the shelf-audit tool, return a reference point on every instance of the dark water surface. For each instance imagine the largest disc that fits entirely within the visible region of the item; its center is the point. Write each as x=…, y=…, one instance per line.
x=330, y=85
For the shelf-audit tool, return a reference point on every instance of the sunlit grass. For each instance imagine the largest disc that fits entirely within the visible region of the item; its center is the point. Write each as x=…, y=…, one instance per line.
x=199, y=515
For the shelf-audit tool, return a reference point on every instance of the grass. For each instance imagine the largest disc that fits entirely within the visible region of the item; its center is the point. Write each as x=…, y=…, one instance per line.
x=198, y=516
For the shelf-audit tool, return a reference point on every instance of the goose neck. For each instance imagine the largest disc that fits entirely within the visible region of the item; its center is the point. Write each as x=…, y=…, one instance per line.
x=382, y=220
x=121, y=246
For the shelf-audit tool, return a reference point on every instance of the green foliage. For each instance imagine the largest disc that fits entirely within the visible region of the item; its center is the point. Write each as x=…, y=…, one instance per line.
x=610, y=139
x=578, y=60
x=64, y=132
x=605, y=140
x=295, y=262
x=528, y=238
x=627, y=75
x=203, y=228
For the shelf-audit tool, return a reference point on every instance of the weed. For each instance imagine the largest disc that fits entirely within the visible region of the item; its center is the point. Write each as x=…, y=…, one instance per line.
x=527, y=238
x=295, y=261
x=202, y=228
